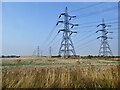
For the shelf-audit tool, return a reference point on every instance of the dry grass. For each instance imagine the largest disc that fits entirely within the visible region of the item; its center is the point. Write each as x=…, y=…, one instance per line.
x=62, y=77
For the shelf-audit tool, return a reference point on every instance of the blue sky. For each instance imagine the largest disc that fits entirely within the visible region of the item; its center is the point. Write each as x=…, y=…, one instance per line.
x=25, y=25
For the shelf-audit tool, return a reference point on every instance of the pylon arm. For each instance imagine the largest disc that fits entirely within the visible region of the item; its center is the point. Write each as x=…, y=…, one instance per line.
x=99, y=30
x=102, y=37
x=76, y=25
x=59, y=22
x=100, y=24
x=61, y=30
x=72, y=16
x=72, y=32
x=73, y=25
x=106, y=33
x=70, y=19
x=98, y=37
x=61, y=14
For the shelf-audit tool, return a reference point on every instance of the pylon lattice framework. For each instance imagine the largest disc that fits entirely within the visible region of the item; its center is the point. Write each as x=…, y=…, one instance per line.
x=38, y=51
x=67, y=47
x=104, y=47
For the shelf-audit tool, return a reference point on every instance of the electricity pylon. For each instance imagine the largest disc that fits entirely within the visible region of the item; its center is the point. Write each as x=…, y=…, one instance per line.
x=38, y=51
x=66, y=45
x=50, y=51
x=104, y=47
x=34, y=53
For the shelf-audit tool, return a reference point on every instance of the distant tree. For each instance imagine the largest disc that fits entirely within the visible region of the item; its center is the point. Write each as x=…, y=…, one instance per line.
x=89, y=56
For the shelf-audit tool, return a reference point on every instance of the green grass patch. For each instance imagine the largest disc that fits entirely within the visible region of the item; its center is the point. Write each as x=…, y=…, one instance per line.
x=110, y=62
x=8, y=64
x=51, y=64
x=31, y=63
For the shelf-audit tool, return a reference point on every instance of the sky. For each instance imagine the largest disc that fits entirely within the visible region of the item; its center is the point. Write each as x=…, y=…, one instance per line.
x=27, y=25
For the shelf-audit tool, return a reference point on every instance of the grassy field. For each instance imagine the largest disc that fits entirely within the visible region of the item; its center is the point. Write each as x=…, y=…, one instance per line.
x=44, y=72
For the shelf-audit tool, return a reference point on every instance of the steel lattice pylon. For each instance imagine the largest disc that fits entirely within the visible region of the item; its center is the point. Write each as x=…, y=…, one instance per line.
x=104, y=47
x=38, y=51
x=66, y=44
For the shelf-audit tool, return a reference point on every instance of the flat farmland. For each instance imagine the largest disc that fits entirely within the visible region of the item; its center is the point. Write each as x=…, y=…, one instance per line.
x=46, y=72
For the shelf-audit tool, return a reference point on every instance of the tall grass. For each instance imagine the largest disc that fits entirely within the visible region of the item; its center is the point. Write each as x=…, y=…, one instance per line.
x=61, y=77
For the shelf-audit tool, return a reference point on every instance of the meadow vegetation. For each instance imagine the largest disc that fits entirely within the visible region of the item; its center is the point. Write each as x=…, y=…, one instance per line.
x=59, y=75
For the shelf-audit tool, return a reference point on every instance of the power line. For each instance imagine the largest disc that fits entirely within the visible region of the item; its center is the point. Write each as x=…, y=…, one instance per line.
x=86, y=43
x=85, y=37
x=91, y=25
x=113, y=19
x=92, y=5
x=55, y=43
x=52, y=39
x=80, y=34
x=84, y=46
x=94, y=13
x=49, y=35
x=97, y=12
